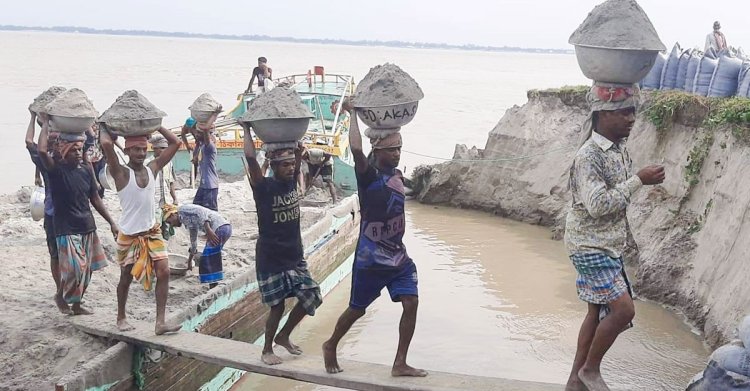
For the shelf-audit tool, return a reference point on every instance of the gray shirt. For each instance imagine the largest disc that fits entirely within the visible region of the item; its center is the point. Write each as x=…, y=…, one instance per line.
x=194, y=216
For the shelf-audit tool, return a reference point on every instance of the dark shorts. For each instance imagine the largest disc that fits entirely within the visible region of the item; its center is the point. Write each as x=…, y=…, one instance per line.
x=207, y=198
x=326, y=172
x=367, y=284
x=49, y=230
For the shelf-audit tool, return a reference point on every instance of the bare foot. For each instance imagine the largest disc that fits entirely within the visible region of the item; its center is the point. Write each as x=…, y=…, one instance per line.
x=575, y=384
x=123, y=325
x=78, y=310
x=592, y=380
x=329, y=357
x=62, y=305
x=284, y=341
x=269, y=358
x=405, y=370
x=163, y=328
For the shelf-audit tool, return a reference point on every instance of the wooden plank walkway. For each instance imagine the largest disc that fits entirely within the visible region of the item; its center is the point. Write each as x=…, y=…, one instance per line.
x=307, y=368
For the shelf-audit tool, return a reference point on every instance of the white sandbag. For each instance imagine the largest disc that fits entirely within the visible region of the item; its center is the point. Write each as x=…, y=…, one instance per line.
x=733, y=358
x=682, y=66
x=692, y=69
x=724, y=79
x=704, y=75
x=652, y=81
x=745, y=332
x=669, y=74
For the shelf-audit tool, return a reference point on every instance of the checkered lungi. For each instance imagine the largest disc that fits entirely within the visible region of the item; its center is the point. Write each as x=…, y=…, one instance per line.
x=276, y=287
x=601, y=278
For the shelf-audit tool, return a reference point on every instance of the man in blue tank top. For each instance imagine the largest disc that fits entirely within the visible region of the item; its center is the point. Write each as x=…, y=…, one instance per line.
x=380, y=260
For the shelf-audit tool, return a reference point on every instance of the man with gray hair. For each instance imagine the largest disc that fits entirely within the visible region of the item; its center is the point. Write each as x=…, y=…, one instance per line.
x=602, y=184
x=716, y=39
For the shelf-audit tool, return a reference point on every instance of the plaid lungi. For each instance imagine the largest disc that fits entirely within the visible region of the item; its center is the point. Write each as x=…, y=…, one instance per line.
x=601, y=278
x=79, y=256
x=276, y=287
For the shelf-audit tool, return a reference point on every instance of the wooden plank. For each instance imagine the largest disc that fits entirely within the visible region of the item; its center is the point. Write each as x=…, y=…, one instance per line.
x=307, y=368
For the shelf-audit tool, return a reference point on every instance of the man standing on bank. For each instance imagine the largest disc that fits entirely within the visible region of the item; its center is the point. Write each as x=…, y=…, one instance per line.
x=141, y=250
x=602, y=185
x=380, y=260
x=279, y=256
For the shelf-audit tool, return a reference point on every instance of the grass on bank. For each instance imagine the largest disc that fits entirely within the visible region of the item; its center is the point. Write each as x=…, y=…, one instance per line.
x=664, y=106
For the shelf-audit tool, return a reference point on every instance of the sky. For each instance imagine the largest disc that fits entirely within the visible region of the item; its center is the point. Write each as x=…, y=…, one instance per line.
x=522, y=23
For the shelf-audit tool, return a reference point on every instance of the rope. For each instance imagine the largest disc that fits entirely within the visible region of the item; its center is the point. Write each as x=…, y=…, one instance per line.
x=493, y=160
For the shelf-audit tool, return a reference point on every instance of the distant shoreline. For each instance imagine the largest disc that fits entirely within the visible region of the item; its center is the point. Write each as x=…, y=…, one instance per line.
x=266, y=38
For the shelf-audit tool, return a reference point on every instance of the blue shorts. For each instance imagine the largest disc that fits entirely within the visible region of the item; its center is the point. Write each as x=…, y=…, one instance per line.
x=207, y=198
x=367, y=284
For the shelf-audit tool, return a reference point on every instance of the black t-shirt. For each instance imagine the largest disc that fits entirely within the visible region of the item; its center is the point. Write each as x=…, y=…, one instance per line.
x=71, y=189
x=257, y=72
x=279, y=246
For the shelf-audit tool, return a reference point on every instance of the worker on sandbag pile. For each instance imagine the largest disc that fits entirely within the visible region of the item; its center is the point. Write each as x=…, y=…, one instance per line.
x=79, y=250
x=319, y=163
x=279, y=255
x=597, y=233
x=141, y=249
x=380, y=260
x=716, y=39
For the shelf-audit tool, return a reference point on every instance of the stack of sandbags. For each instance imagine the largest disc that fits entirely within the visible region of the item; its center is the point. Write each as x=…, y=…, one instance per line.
x=132, y=115
x=386, y=99
x=725, y=78
x=278, y=117
x=205, y=109
x=71, y=112
x=39, y=105
x=729, y=365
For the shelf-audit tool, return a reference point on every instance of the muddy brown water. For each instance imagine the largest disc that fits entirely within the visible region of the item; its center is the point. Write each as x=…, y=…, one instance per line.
x=497, y=298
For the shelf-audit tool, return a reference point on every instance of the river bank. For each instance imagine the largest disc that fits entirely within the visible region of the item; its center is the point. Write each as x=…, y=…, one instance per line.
x=39, y=345
x=690, y=253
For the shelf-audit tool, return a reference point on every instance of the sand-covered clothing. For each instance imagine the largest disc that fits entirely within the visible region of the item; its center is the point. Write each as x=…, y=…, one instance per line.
x=602, y=184
x=79, y=255
x=142, y=251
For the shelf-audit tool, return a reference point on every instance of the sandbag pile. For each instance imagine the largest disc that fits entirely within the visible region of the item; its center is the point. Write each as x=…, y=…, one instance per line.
x=711, y=74
x=729, y=365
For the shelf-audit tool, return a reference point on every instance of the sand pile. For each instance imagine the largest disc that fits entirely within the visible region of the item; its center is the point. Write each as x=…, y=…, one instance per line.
x=72, y=103
x=278, y=103
x=41, y=101
x=131, y=105
x=618, y=24
x=205, y=102
x=386, y=85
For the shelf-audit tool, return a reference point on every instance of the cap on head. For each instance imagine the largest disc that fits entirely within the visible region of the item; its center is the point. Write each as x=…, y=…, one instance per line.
x=262, y=59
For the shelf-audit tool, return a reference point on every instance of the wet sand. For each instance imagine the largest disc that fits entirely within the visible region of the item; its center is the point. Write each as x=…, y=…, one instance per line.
x=497, y=298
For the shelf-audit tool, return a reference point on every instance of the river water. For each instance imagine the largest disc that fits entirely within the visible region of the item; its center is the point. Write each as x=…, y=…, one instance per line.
x=497, y=297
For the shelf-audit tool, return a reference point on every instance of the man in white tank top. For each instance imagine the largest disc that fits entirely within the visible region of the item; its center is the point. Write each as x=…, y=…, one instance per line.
x=141, y=251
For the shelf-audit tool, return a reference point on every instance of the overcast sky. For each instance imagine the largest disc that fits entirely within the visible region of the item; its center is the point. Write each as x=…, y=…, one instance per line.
x=525, y=23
